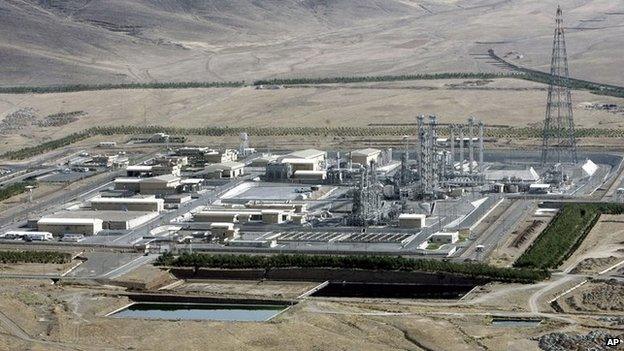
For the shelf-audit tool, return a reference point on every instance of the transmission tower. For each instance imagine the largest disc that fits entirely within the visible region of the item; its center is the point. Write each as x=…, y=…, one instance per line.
x=558, y=143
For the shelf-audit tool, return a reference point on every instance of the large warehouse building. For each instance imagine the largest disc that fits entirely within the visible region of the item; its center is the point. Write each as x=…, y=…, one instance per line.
x=128, y=204
x=365, y=156
x=116, y=220
x=62, y=226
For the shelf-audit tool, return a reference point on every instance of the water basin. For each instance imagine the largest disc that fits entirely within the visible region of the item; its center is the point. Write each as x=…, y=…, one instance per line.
x=399, y=291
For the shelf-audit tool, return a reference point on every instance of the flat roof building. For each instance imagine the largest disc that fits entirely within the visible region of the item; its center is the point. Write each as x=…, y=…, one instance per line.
x=216, y=216
x=310, y=175
x=127, y=184
x=128, y=204
x=161, y=185
x=444, y=237
x=263, y=161
x=139, y=171
x=411, y=220
x=222, y=170
x=62, y=226
x=214, y=156
x=319, y=157
x=365, y=156
x=116, y=220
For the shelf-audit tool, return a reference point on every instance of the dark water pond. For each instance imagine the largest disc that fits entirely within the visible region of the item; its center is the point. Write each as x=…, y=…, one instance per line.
x=401, y=291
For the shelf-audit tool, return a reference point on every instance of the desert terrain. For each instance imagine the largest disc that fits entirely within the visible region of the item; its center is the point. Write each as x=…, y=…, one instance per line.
x=47, y=43
x=119, y=41
x=507, y=102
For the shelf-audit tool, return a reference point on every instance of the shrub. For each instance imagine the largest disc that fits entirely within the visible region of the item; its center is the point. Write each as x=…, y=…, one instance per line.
x=34, y=257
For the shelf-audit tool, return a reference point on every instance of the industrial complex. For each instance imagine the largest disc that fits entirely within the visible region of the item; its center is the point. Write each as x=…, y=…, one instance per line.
x=442, y=213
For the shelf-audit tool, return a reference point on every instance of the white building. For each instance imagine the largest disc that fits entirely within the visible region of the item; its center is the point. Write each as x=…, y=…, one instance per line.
x=62, y=226
x=317, y=156
x=161, y=185
x=116, y=220
x=444, y=237
x=223, y=170
x=365, y=156
x=128, y=204
x=412, y=220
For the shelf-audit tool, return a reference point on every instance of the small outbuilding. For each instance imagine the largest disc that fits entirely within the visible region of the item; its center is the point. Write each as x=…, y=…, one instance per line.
x=411, y=220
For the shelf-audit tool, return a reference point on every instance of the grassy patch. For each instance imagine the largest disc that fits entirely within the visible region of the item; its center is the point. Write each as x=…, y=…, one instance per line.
x=433, y=246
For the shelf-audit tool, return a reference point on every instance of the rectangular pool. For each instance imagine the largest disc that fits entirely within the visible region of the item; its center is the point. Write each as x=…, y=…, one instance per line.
x=200, y=311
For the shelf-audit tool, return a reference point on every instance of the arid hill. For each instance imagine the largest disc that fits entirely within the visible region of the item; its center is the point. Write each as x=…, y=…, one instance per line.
x=45, y=42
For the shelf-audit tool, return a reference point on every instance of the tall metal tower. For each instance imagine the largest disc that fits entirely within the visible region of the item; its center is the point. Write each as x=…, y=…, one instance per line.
x=558, y=143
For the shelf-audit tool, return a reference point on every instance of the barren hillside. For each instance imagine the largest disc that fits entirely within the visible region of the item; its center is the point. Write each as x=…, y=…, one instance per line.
x=46, y=42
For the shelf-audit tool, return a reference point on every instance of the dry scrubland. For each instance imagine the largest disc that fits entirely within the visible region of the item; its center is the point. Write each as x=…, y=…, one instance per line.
x=328, y=105
x=77, y=317
x=80, y=41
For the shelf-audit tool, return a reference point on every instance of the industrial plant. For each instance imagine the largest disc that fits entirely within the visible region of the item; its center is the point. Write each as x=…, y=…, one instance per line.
x=331, y=228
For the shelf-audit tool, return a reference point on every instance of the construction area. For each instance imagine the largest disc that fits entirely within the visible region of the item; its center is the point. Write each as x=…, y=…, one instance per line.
x=164, y=241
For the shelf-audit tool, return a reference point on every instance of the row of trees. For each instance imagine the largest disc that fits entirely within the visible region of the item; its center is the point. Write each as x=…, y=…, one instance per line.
x=95, y=87
x=34, y=257
x=370, y=131
x=564, y=234
x=31, y=151
x=543, y=77
x=474, y=270
x=387, y=78
x=14, y=189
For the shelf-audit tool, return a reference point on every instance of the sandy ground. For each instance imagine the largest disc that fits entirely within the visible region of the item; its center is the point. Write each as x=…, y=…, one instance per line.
x=269, y=289
x=74, y=317
x=36, y=268
x=506, y=253
x=604, y=241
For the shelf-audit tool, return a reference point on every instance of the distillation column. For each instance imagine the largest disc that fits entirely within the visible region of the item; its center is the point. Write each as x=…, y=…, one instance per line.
x=471, y=121
x=452, y=141
x=461, y=149
x=432, y=163
x=481, y=126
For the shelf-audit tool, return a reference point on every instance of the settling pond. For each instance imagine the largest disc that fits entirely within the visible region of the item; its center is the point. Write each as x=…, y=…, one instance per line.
x=200, y=311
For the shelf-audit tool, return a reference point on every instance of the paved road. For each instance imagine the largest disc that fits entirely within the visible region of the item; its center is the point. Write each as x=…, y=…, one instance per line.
x=129, y=267
x=494, y=235
x=101, y=263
